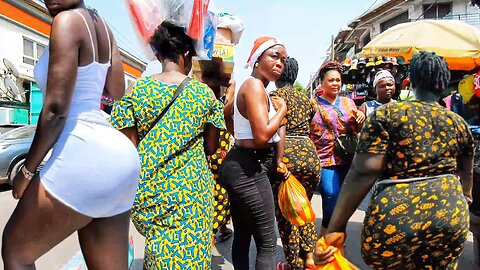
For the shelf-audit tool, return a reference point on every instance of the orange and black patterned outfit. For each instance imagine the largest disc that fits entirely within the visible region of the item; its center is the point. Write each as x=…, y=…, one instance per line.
x=221, y=214
x=302, y=161
x=418, y=219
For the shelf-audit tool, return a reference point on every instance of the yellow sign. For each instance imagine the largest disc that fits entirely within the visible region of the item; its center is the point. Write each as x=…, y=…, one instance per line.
x=224, y=51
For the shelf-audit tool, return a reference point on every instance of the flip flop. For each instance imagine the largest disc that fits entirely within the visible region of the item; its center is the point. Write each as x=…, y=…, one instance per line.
x=281, y=266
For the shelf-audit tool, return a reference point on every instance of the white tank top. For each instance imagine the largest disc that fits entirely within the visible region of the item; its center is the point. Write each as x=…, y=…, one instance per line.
x=242, y=127
x=88, y=87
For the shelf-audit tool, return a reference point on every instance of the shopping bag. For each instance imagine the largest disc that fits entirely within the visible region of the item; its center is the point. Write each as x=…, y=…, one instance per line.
x=294, y=203
x=339, y=263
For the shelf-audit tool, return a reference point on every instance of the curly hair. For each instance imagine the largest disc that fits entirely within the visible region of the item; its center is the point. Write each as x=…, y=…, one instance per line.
x=327, y=66
x=290, y=71
x=170, y=41
x=429, y=72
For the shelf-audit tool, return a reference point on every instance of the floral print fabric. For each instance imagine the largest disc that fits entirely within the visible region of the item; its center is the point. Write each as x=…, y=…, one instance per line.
x=328, y=123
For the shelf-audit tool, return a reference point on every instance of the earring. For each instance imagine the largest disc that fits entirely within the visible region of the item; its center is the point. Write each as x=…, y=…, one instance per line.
x=256, y=64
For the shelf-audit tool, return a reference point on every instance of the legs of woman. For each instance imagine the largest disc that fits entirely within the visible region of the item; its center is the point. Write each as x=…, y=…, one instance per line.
x=329, y=188
x=38, y=223
x=104, y=242
x=252, y=210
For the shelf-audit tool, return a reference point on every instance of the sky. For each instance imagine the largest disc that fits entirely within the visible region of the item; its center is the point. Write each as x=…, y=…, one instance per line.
x=305, y=26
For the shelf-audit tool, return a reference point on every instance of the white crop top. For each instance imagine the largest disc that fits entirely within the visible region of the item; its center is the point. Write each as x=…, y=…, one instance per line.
x=242, y=127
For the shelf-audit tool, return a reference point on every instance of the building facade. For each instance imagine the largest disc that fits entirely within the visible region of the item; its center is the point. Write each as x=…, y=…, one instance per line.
x=352, y=38
x=24, y=31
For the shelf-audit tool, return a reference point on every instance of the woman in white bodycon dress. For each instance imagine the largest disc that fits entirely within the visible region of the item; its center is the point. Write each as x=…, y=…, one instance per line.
x=89, y=183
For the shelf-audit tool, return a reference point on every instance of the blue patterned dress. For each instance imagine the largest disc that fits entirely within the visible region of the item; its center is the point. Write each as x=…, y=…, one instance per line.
x=173, y=207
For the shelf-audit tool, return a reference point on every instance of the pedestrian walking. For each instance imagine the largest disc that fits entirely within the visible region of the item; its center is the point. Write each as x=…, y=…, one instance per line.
x=175, y=123
x=251, y=163
x=301, y=159
x=418, y=217
x=89, y=182
x=335, y=116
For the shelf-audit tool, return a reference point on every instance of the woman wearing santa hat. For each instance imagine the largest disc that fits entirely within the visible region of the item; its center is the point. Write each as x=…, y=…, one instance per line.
x=252, y=161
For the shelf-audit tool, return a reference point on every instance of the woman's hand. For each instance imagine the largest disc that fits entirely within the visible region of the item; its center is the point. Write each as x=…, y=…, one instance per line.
x=322, y=257
x=282, y=169
x=334, y=241
x=359, y=116
x=20, y=184
x=278, y=103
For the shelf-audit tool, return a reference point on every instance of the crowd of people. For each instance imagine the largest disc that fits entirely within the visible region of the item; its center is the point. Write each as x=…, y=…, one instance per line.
x=179, y=158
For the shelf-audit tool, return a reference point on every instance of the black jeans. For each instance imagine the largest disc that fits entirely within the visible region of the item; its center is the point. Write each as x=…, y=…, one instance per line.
x=244, y=173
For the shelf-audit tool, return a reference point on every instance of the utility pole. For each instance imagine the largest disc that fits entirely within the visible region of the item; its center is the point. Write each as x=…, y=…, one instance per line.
x=333, y=48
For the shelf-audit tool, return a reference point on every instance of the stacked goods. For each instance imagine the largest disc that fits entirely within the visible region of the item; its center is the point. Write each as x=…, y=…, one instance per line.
x=218, y=69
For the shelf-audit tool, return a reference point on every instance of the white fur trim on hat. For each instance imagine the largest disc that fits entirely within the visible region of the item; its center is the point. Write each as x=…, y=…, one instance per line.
x=261, y=49
x=382, y=74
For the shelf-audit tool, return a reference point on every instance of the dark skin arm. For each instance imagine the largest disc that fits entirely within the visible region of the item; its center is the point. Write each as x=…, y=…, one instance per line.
x=228, y=108
x=366, y=168
x=363, y=109
x=253, y=102
x=114, y=84
x=62, y=71
x=465, y=171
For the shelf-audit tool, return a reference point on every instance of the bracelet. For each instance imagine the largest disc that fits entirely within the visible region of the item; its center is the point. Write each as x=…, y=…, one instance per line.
x=28, y=174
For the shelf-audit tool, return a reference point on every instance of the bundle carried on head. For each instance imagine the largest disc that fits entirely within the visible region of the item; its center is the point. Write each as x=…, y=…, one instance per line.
x=170, y=40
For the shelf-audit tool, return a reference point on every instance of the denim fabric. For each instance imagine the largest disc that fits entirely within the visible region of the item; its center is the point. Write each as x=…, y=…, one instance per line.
x=244, y=175
x=329, y=188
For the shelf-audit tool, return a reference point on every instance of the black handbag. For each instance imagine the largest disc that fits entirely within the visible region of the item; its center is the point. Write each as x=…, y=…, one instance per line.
x=345, y=144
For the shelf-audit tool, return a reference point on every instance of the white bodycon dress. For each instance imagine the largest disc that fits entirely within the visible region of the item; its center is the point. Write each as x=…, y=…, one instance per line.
x=94, y=169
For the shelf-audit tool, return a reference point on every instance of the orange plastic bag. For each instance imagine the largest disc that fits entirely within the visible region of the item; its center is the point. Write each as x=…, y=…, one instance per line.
x=294, y=203
x=339, y=263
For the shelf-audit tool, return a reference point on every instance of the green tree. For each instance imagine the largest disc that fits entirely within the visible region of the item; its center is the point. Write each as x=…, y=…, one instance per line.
x=299, y=87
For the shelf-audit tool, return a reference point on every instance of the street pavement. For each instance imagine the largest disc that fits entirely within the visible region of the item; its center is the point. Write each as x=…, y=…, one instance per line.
x=59, y=256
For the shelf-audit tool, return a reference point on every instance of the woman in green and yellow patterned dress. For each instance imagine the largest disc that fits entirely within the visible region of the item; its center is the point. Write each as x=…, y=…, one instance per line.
x=173, y=207
x=418, y=215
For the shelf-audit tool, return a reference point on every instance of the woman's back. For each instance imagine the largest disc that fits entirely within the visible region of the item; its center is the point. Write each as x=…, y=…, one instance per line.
x=419, y=139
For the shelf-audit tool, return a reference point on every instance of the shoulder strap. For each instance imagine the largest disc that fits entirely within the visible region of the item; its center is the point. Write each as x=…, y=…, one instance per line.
x=175, y=96
x=89, y=32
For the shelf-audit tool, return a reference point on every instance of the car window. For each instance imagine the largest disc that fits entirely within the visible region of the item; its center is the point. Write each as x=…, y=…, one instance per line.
x=19, y=133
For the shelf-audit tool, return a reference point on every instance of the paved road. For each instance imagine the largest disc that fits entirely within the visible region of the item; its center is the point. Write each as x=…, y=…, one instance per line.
x=62, y=254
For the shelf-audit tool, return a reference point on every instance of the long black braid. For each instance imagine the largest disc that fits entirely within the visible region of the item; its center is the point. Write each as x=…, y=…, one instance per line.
x=429, y=72
x=290, y=71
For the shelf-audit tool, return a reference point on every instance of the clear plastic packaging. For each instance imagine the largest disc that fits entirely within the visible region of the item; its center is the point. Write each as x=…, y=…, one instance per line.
x=193, y=15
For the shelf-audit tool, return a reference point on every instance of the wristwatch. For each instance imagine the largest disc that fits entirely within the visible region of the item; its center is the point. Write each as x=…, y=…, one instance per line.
x=28, y=174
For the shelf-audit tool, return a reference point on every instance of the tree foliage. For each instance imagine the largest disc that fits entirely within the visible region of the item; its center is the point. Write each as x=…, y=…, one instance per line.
x=299, y=87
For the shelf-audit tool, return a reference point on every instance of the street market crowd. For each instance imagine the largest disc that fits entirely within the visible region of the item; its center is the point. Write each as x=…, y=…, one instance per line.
x=182, y=156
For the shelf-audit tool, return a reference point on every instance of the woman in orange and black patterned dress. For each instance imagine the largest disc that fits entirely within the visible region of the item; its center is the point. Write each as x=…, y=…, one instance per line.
x=302, y=161
x=418, y=216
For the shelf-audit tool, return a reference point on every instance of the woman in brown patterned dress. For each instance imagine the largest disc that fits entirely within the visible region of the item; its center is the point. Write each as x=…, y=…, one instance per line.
x=418, y=216
x=302, y=161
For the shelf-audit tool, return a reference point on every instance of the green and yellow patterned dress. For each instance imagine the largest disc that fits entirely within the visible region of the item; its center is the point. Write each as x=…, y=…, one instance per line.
x=173, y=207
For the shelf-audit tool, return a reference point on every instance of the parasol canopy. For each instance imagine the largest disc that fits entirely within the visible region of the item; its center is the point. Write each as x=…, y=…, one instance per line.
x=454, y=40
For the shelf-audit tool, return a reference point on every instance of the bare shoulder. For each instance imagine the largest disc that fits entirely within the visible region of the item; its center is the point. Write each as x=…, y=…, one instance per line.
x=252, y=87
x=66, y=20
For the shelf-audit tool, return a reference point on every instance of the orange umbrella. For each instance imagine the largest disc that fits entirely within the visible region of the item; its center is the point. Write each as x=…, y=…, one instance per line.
x=456, y=41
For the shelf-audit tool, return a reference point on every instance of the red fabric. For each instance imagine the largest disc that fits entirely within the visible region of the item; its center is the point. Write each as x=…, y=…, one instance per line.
x=476, y=84
x=259, y=41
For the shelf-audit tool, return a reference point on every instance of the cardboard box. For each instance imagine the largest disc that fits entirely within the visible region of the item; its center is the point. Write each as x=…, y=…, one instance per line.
x=220, y=68
x=223, y=36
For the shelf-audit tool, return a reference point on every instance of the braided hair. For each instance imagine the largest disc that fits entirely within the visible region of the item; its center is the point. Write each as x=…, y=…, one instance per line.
x=429, y=72
x=327, y=66
x=170, y=41
x=290, y=71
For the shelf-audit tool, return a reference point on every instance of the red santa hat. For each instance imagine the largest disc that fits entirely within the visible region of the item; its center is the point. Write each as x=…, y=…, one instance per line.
x=260, y=45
